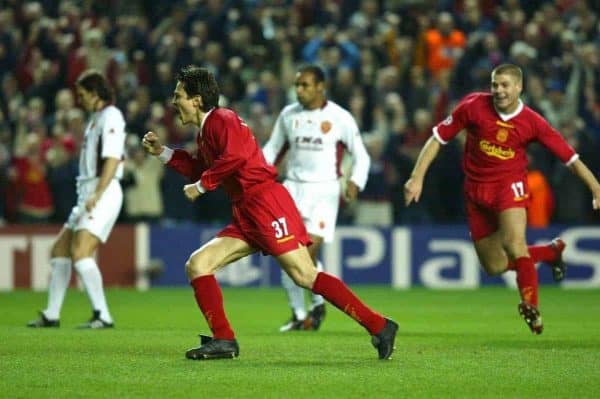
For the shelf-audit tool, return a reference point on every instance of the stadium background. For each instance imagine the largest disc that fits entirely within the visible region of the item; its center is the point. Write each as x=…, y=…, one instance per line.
x=398, y=66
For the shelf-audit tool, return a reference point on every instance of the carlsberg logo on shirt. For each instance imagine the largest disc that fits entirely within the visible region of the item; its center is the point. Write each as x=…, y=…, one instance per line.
x=494, y=150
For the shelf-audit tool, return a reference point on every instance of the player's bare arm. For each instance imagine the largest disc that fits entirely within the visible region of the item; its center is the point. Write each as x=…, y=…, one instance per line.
x=109, y=169
x=152, y=143
x=414, y=185
x=586, y=175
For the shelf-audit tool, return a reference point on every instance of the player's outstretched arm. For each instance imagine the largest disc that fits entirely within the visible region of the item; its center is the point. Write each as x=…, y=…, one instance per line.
x=414, y=185
x=177, y=159
x=586, y=175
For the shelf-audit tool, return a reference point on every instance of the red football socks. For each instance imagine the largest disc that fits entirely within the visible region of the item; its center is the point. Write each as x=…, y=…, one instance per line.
x=338, y=293
x=210, y=301
x=527, y=280
x=538, y=253
x=542, y=253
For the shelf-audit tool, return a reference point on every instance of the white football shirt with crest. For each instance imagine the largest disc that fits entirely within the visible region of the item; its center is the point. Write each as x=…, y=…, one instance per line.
x=104, y=137
x=315, y=141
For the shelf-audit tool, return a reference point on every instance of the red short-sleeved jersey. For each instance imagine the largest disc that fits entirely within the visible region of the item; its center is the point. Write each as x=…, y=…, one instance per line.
x=496, y=143
x=227, y=155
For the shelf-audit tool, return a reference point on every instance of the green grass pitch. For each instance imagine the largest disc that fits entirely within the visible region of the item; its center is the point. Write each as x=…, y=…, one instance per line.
x=451, y=344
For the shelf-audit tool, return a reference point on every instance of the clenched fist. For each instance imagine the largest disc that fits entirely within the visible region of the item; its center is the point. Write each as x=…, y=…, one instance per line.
x=191, y=191
x=152, y=143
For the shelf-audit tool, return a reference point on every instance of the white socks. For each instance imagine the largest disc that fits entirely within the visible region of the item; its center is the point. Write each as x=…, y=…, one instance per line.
x=92, y=281
x=296, y=295
x=60, y=275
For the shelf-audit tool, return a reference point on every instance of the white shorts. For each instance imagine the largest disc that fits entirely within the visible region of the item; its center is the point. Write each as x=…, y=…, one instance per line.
x=318, y=204
x=102, y=218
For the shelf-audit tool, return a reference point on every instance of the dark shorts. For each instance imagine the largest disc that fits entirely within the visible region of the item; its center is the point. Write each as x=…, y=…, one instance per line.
x=269, y=221
x=484, y=201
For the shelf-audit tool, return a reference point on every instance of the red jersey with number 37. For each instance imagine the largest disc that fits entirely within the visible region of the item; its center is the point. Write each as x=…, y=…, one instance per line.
x=264, y=214
x=496, y=143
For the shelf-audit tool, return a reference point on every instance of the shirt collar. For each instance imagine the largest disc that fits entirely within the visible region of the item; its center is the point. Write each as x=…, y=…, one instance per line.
x=322, y=107
x=506, y=117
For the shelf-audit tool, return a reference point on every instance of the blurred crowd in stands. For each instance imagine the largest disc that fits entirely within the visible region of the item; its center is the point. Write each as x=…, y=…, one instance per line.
x=399, y=66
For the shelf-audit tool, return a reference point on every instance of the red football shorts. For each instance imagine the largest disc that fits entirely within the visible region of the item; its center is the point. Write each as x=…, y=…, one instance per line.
x=268, y=220
x=484, y=201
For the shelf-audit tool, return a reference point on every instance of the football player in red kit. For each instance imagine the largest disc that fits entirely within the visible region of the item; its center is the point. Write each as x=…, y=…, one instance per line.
x=499, y=127
x=265, y=217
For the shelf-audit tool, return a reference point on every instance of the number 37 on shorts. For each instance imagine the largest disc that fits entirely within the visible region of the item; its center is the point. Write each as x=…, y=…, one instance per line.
x=280, y=229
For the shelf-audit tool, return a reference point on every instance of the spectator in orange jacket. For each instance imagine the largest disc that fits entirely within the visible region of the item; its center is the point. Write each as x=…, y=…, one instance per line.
x=541, y=206
x=444, y=45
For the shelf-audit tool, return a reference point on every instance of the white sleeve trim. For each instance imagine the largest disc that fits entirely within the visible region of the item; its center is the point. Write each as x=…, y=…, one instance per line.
x=201, y=189
x=574, y=158
x=166, y=154
x=361, y=162
x=437, y=136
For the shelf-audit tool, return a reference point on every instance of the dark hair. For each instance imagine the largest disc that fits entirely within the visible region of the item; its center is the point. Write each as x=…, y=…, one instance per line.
x=93, y=81
x=315, y=71
x=199, y=81
x=509, y=69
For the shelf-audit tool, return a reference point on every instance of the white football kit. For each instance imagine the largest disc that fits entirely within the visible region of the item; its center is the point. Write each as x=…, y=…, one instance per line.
x=104, y=138
x=315, y=141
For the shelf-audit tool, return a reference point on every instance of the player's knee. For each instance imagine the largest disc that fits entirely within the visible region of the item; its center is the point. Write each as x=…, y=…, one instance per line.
x=61, y=249
x=82, y=247
x=57, y=252
x=303, y=277
x=192, y=269
x=493, y=268
x=515, y=248
x=195, y=268
x=303, y=282
x=78, y=252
